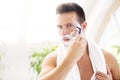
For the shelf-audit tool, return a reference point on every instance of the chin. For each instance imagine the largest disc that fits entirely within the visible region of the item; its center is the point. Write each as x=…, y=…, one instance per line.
x=66, y=43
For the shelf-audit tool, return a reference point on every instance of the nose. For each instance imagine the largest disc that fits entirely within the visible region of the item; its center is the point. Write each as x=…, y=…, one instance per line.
x=64, y=32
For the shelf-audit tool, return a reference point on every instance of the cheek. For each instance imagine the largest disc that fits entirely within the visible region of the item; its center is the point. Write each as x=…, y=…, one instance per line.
x=60, y=32
x=65, y=32
x=71, y=31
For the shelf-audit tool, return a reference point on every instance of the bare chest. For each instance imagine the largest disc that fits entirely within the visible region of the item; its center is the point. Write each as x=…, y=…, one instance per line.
x=85, y=69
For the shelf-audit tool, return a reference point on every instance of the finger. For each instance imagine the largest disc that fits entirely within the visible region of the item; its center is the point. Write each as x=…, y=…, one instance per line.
x=98, y=77
x=101, y=74
x=74, y=33
x=79, y=37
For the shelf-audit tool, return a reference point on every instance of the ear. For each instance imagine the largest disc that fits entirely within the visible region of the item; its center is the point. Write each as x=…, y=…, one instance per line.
x=84, y=26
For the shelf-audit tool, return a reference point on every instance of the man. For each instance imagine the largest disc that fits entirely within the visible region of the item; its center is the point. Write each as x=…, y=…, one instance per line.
x=71, y=19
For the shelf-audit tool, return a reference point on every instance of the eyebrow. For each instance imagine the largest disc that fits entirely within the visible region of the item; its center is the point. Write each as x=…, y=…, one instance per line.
x=65, y=24
x=69, y=23
x=58, y=25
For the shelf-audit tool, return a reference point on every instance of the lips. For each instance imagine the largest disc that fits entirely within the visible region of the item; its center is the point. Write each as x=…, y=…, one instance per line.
x=65, y=39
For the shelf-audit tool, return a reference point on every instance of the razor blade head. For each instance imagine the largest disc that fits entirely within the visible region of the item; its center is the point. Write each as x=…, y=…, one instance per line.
x=79, y=30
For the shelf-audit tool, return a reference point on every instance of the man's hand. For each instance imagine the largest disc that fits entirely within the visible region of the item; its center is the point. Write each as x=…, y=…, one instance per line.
x=102, y=76
x=78, y=47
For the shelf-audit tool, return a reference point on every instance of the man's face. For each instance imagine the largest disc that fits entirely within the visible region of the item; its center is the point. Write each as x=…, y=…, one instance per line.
x=66, y=24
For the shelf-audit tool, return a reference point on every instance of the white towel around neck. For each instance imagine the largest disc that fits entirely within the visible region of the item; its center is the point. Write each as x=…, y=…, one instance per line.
x=96, y=57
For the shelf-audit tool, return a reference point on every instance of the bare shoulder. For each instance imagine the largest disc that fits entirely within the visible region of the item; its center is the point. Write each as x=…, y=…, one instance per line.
x=112, y=64
x=110, y=59
x=50, y=59
x=49, y=63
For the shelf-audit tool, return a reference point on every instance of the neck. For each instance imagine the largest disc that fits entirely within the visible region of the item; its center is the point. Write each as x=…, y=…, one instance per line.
x=86, y=53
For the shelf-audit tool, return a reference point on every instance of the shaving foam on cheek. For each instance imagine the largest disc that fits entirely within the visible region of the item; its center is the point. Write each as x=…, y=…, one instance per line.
x=71, y=36
x=67, y=43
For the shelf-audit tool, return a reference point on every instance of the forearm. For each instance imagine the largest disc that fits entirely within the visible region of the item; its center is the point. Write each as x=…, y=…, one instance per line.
x=61, y=71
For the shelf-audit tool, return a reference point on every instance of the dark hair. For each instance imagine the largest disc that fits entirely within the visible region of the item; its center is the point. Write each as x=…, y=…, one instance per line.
x=71, y=7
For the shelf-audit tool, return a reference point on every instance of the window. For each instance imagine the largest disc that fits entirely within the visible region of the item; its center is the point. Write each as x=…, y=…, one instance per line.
x=111, y=35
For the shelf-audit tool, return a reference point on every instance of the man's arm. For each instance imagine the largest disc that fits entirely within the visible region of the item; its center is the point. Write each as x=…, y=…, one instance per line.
x=113, y=65
x=51, y=71
x=59, y=72
x=48, y=64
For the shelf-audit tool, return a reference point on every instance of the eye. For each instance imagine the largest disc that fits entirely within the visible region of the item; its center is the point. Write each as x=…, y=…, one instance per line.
x=59, y=26
x=69, y=26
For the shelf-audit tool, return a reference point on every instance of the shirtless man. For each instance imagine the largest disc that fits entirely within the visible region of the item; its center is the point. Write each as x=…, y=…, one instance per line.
x=68, y=16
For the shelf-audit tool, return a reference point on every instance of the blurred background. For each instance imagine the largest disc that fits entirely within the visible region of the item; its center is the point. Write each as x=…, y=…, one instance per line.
x=28, y=32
